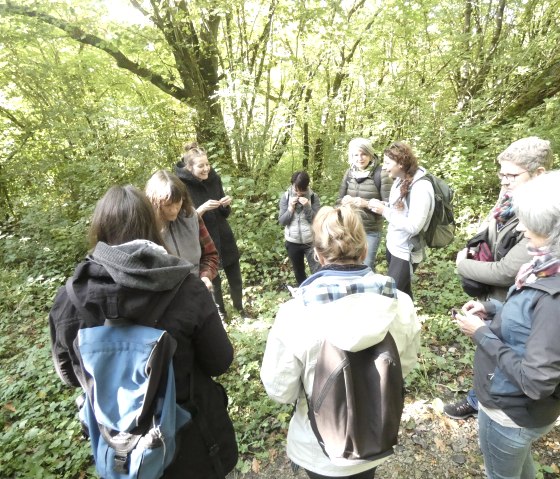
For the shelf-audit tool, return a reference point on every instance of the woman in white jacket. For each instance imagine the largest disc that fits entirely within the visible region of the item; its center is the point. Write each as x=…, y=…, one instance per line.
x=351, y=307
x=408, y=212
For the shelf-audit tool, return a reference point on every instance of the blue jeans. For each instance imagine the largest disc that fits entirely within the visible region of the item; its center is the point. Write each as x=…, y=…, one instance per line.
x=373, y=239
x=472, y=399
x=507, y=450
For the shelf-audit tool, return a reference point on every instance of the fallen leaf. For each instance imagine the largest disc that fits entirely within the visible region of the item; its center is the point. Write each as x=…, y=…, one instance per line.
x=440, y=444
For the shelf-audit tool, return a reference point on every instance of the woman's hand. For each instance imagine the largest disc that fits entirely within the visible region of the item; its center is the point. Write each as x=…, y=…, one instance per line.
x=376, y=206
x=207, y=206
x=476, y=308
x=292, y=204
x=346, y=200
x=468, y=323
x=360, y=203
x=226, y=200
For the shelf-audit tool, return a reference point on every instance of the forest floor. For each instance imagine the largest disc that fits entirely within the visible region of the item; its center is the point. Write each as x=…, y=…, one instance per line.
x=431, y=446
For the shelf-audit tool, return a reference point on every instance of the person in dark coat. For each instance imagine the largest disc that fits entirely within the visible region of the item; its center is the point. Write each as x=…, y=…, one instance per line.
x=210, y=201
x=152, y=288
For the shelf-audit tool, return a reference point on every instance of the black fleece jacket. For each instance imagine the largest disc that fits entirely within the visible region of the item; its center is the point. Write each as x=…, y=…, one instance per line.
x=156, y=289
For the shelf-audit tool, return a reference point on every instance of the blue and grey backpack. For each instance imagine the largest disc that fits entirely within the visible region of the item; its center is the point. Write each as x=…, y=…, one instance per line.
x=130, y=411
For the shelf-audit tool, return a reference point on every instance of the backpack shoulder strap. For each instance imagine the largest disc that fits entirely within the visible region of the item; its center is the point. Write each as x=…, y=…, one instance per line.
x=377, y=178
x=423, y=177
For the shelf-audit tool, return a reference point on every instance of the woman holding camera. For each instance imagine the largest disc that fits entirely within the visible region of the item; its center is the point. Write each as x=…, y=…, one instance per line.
x=298, y=206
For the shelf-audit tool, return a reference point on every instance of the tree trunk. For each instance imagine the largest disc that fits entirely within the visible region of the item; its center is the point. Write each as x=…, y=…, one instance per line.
x=545, y=85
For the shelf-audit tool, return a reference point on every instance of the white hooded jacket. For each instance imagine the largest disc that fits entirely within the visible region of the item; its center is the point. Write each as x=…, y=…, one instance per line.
x=352, y=309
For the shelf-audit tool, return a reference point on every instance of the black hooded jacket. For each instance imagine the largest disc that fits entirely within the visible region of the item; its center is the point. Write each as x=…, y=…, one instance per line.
x=155, y=289
x=215, y=220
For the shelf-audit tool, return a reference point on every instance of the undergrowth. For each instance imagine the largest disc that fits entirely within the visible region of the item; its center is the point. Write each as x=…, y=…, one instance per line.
x=39, y=432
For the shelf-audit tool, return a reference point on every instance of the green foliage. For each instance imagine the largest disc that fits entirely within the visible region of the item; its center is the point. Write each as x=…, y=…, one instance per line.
x=259, y=422
x=291, y=97
x=39, y=433
x=259, y=236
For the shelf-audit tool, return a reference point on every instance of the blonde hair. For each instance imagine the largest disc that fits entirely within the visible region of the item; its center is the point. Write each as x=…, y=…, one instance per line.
x=364, y=145
x=339, y=235
x=192, y=151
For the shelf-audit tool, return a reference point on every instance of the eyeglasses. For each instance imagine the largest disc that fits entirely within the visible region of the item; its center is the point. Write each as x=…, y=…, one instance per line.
x=511, y=178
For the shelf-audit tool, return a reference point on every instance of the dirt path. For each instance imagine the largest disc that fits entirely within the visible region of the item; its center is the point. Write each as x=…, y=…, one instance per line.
x=431, y=446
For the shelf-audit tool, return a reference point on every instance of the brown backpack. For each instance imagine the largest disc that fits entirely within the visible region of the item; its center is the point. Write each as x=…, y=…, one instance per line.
x=357, y=401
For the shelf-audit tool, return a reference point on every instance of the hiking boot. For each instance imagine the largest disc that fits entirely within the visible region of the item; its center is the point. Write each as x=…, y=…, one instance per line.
x=460, y=410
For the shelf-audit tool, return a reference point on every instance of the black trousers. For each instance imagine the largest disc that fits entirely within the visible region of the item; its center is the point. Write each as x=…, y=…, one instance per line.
x=401, y=271
x=298, y=253
x=369, y=474
x=233, y=275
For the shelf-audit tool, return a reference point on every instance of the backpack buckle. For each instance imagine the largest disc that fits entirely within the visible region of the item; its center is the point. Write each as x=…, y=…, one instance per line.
x=119, y=464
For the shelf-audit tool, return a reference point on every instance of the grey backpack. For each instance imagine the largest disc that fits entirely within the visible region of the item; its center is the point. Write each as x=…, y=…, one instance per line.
x=357, y=401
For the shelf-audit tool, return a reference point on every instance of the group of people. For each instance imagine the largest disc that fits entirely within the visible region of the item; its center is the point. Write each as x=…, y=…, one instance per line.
x=166, y=246
x=514, y=320
x=387, y=190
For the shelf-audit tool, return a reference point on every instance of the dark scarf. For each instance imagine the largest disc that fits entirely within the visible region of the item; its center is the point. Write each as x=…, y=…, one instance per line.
x=542, y=266
x=503, y=211
x=343, y=267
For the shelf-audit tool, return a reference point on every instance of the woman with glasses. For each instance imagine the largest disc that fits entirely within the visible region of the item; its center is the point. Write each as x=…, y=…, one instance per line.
x=520, y=162
x=517, y=359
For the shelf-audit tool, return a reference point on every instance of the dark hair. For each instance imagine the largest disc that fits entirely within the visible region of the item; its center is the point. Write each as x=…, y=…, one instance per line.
x=164, y=187
x=300, y=180
x=192, y=151
x=403, y=155
x=123, y=214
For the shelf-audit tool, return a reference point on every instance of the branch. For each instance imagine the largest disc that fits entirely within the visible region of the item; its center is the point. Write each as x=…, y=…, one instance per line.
x=76, y=33
x=8, y=114
x=534, y=93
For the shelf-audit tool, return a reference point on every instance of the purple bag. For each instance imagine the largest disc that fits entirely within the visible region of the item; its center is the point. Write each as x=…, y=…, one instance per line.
x=479, y=250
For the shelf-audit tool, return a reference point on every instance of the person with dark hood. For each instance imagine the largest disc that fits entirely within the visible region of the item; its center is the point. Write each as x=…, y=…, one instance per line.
x=129, y=273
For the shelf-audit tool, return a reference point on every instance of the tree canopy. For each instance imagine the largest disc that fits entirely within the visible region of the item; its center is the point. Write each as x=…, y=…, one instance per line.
x=98, y=93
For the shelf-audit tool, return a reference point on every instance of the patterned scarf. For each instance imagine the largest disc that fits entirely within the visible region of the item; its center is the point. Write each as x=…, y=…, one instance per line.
x=542, y=266
x=503, y=211
x=361, y=175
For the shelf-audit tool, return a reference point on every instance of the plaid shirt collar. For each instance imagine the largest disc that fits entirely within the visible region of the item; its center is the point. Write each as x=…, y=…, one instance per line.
x=327, y=286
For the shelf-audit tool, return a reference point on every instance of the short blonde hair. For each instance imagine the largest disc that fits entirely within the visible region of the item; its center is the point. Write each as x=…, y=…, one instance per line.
x=529, y=153
x=365, y=146
x=339, y=235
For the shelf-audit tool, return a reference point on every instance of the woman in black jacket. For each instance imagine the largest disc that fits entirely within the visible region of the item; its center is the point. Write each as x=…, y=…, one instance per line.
x=130, y=273
x=210, y=201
